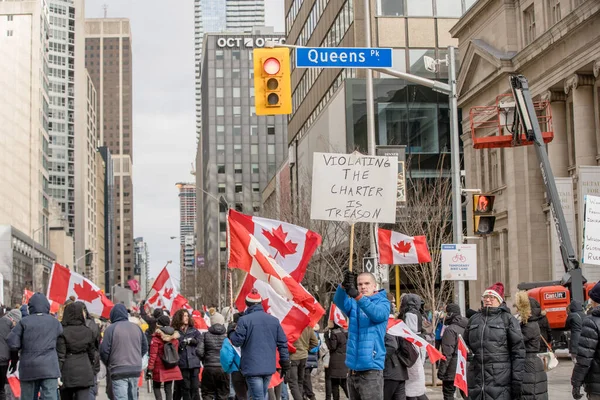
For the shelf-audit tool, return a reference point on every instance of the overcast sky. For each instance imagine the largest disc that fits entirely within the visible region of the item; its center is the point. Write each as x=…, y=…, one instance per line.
x=164, y=132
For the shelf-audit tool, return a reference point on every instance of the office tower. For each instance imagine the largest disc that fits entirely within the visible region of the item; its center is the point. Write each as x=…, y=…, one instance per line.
x=110, y=239
x=243, y=15
x=187, y=237
x=98, y=274
x=108, y=60
x=142, y=263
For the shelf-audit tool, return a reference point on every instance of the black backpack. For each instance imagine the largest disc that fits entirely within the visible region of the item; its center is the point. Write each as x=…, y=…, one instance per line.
x=407, y=353
x=170, y=356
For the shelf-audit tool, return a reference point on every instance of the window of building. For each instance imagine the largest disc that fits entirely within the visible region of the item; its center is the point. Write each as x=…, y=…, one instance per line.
x=270, y=130
x=270, y=149
x=254, y=149
x=252, y=91
x=529, y=24
x=219, y=55
x=236, y=92
x=251, y=73
x=219, y=73
x=220, y=111
x=237, y=149
x=219, y=92
x=390, y=7
x=255, y=187
x=221, y=168
x=223, y=226
x=237, y=110
x=239, y=207
x=235, y=73
x=9, y=17
x=237, y=168
x=221, y=188
x=254, y=130
x=252, y=111
x=222, y=207
x=419, y=8
x=255, y=169
x=237, y=130
x=9, y=32
x=235, y=54
x=239, y=188
x=256, y=206
x=448, y=8
x=554, y=14
x=220, y=128
x=220, y=149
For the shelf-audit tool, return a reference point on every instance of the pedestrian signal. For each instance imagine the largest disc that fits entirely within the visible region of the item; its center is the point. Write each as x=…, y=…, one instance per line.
x=272, y=84
x=483, y=214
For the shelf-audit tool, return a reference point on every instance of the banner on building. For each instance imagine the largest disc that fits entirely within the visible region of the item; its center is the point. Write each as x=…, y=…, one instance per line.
x=566, y=195
x=354, y=188
x=591, y=231
x=588, y=184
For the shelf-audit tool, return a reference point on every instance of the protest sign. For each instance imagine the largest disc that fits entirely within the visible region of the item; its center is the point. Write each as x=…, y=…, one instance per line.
x=591, y=231
x=354, y=188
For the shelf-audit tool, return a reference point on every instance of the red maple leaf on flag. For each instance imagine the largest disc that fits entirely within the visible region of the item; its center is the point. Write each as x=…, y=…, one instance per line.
x=265, y=304
x=277, y=240
x=168, y=293
x=402, y=247
x=85, y=292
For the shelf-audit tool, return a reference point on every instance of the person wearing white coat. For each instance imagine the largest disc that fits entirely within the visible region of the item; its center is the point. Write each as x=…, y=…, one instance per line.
x=409, y=313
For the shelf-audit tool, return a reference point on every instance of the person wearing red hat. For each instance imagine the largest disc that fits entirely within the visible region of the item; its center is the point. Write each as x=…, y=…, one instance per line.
x=497, y=350
x=260, y=336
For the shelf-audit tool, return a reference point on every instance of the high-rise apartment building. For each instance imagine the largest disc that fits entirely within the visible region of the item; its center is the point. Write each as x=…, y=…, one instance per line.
x=243, y=15
x=109, y=62
x=24, y=125
x=187, y=237
x=239, y=151
x=98, y=274
x=110, y=240
x=142, y=263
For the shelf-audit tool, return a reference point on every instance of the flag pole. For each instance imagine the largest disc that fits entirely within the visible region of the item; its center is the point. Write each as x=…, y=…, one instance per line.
x=351, y=246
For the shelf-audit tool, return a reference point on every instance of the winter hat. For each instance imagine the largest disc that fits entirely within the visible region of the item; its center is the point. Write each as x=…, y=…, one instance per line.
x=14, y=315
x=497, y=290
x=595, y=293
x=163, y=320
x=217, y=318
x=253, y=297
x=452, y=308
x=157, y=313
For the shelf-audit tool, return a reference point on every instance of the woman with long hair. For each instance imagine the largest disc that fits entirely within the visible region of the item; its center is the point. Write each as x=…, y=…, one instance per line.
x=189, y=362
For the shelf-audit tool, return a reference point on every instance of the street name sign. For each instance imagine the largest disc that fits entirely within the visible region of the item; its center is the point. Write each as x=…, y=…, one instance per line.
x=343, y=57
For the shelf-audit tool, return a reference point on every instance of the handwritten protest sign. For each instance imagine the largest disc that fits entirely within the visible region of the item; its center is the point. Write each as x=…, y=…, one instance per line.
x=591, y=231
x=354, y=188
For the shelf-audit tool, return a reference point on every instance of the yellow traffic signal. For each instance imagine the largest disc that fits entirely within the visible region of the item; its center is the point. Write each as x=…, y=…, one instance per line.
x=272, y=83
x=483, y=214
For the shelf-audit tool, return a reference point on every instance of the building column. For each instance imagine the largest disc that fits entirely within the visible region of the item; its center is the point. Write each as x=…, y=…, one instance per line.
x=558, y=150
x=582, y=87
x=597, y=106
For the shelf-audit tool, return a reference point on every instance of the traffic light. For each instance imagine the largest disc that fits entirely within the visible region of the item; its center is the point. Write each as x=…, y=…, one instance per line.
x=272, y=84
x=483, y=214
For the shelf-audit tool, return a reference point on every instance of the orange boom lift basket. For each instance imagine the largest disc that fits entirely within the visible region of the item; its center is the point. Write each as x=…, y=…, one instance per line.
x=497, y=126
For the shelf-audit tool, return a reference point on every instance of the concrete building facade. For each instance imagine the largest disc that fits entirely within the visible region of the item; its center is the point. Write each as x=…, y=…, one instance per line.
x=109, y=62
x=110, y=239
x=187, y=236
x=98, y=274
x=142, y=263
x=556, y=45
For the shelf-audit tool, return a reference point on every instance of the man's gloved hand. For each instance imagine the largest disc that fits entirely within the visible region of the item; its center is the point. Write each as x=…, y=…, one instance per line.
x=349, y=280
x=148, y=374
x=192, y=341
x=286, y=365
x=13, y=365
x=352, y=292
x=577, y=392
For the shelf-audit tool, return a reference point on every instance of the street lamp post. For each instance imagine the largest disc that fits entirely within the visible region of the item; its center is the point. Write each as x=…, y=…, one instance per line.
x=76, y=264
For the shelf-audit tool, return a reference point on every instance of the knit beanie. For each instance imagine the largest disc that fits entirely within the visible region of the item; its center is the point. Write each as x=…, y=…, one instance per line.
x=14, y=315
x=595, y=293
x=217, y=318
x=163, y=320
x=452, y=308
x=496, y=290
x=253, y=298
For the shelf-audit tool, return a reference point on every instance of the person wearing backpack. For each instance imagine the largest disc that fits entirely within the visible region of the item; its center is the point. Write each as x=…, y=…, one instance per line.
x=455, y=326
x=336, y=339
x=215, y=382
x=163, y=365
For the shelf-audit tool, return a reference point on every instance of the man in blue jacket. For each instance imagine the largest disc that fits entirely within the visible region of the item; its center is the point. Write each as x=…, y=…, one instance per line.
x=259, y=335
x=35, y=337
x=368, y=311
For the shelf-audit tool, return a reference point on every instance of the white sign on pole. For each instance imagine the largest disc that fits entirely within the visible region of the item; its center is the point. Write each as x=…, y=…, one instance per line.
x=591, y=231
x=565, y=193
x=380, y=271
x=588, y=184
x=459, y=262
x=354, y=188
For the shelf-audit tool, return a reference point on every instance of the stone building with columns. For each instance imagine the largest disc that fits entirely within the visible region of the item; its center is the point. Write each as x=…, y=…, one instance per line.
x=556, y=45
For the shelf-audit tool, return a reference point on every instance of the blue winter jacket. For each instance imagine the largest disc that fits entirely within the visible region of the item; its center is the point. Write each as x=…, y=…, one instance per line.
x=230, y=359
x=368, y=319
x=35, y=336
x=259, y=335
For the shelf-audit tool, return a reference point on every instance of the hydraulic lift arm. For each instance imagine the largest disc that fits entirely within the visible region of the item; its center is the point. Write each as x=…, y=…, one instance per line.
x=529, y=121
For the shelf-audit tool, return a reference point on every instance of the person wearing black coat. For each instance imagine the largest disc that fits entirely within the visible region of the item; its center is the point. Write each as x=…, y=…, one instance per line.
x=587, y=368
x=215, y=382
x=498, y=354
x=535, y=381
x=395, y=373
x=545, y=329
x=455, y=326
x=336, y=340
x=7, y=323
x=76, y=354
x=574, y=323
x=189, y=363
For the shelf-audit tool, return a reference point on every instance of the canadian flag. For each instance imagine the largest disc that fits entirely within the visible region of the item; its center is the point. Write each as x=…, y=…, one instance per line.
x=200, y=322
x=65, y=283
x=162, y=294
x=54, y=306
x=14, y=382
x=291, y=246
x=460, y=379
x=397, y=327
x=396, y=248
x=337, y=316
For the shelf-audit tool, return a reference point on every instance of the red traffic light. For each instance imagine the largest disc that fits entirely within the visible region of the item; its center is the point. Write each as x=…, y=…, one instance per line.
x=271, y=66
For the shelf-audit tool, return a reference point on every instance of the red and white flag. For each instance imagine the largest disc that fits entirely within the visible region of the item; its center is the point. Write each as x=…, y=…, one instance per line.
x=397, y=327
x=396, y=248
x=248, y=254
x=163, y=291
x=291, y=246
x=14, y=382
x=65, y=283
x=460, y=378
x=54, y=306
x=337, y=316
x=200, y=322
